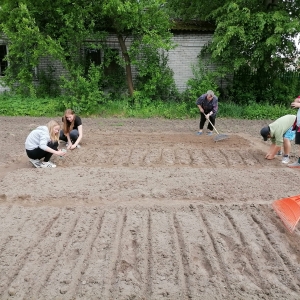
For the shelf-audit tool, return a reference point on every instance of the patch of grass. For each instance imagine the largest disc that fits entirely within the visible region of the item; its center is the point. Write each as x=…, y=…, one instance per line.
x=12, y=105
x=34, y=107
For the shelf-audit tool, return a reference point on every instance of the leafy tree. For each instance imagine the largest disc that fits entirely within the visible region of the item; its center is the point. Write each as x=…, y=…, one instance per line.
x=60, y=28
x=256, y=36
x=144, y=20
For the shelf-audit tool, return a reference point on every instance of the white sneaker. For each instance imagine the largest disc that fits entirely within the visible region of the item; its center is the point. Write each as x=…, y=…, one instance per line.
x=36, y=163
x=48, y=164
x=294, y=165
x=285, y=159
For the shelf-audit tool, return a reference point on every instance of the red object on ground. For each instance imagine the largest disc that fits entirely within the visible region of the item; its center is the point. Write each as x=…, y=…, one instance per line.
x=288, y=210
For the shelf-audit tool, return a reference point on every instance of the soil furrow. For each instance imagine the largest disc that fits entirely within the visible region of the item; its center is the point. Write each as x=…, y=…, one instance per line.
x=184, y=271
x=114, y=259
x=62, y=275
x=45, y=256
x=22, y=258
x=263, y=259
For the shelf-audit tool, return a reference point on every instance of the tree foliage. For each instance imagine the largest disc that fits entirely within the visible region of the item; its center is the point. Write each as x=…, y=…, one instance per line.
x=61, y=28
x=252, y=37
x=259, y=34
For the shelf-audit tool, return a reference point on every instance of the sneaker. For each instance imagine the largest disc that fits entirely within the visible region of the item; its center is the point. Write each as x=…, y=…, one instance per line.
x=294, y=165
x=199, y=133
x=279, y=153
x=36, y=162
x=285, y=160
x=209, y=133
x=48, y=164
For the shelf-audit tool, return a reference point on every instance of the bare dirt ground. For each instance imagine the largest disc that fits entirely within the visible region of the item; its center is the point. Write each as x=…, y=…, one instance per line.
x=146, y=210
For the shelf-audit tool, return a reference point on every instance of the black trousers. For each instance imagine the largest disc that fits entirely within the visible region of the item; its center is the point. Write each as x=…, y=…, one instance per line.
x=39, y=153
x=297, y=139
x=212, y=118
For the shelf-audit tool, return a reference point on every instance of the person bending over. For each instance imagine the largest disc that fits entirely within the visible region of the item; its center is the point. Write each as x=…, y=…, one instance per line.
x=42, y=142
x=72, y=129
x=208, y=107
x=280, y=133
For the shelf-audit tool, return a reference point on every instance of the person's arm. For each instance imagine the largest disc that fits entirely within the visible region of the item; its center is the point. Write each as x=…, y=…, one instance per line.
x=79, y=128
x=200, y=108
x=69, y=140
x=199, y=103
x=296, y=103
x=215, y=106
x=272, y=151
x=43, y=145
x=56, y=152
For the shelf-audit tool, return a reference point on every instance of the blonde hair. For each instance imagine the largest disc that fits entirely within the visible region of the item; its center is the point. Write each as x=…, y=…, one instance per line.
x=53, y=136
x=67, y=127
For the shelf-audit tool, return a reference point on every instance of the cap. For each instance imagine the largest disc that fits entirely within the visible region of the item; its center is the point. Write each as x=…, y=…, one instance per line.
x=265, y=131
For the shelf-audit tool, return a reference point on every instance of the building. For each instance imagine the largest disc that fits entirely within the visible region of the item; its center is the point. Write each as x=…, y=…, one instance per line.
x=189, y=38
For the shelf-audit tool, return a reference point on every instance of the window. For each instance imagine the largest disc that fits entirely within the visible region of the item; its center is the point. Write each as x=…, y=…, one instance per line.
x=93, y=56
x=113, y=66
x=3, y=63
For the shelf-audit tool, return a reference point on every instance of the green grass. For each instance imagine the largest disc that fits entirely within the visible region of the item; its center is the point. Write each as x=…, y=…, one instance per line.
x=38, y=107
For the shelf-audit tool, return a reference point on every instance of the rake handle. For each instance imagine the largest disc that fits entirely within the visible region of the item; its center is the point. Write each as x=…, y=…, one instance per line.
x=212, y=125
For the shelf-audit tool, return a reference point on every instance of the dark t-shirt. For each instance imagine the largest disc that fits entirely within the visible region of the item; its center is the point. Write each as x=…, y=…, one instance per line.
x=208, y=106
x=77, y=122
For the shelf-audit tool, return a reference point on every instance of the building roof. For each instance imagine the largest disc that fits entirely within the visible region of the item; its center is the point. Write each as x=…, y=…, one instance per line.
x=193, y=25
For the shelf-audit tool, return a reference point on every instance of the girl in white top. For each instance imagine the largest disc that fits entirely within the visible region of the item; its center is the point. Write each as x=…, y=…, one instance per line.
x=42, y=142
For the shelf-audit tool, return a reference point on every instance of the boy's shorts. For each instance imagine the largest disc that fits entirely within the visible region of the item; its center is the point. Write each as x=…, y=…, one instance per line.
x=290, y=134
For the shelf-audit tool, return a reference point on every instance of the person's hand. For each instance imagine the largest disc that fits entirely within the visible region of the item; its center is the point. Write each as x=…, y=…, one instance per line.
x=72, y=147
x=69, y=146
x=207, y=116
x=295, y=104
x=269, y=156
x=61, y=153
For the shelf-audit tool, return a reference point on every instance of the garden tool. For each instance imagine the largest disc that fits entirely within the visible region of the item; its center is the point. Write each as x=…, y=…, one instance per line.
x=220, y=136
x=288, y=210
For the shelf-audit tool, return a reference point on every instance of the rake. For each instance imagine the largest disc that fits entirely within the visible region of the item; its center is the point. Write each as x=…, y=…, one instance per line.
x=220, y=136
x=288, y=210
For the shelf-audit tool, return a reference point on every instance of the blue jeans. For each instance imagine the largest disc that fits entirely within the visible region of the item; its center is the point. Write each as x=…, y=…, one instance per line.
x=74, y=134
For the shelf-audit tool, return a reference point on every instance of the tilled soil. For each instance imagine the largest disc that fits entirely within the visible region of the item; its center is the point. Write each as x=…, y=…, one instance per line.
x=146, y=209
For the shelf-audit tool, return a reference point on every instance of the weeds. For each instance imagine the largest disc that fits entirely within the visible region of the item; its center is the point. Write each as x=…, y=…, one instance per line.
x=11, y=105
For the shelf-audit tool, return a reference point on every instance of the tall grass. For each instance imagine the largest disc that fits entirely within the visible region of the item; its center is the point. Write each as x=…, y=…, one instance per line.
x=49, y=107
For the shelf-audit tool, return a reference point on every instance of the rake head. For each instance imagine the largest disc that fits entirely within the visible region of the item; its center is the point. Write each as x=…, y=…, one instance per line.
x=288, y=210
x=220, y=137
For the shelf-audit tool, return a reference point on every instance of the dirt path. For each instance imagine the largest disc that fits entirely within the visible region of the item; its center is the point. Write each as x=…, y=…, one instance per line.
x=146, y=210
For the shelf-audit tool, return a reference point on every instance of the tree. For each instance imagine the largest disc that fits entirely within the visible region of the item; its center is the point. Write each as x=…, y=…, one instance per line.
x=258, y=36
x=256, y=33
x=144, y=20
x=61, y=27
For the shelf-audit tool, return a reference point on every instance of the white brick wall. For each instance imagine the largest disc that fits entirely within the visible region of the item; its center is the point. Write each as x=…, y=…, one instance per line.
x=3, y=89
x=185, y=55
